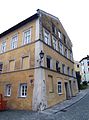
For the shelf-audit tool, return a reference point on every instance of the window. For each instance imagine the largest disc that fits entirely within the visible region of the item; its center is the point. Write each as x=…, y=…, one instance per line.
x=72, y=72
x=54, y=41
x=1, y=66
x=27, y=37
x=57, y=66
x=11, y=65
x=59, y=34
x=47, y=37
x=25, y=62
x=54, y=29
x=68, y=70
x=71, y=55
x=63, y=68
x=59, y=87
x=66, y=52
x=14, y=42
x=77, y=65
x=3, y=47
x=88, y=63
x=50, y=83
x=23, y=90
x=61, y=47
x=8, y=90
x=48, y=59
x=64, y=38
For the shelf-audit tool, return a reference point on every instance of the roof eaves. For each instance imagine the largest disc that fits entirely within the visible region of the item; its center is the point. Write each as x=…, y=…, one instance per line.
x=19, y=24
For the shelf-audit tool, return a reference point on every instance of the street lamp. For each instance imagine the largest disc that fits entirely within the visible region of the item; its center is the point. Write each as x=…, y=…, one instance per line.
x=41, y=54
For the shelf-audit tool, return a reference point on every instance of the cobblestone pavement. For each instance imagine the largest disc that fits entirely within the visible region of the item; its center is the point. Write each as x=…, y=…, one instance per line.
x=78, y=111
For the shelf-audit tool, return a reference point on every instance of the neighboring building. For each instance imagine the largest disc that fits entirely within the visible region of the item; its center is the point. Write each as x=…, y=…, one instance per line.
x=77, y=67
x=85, y=68
x=28, y=81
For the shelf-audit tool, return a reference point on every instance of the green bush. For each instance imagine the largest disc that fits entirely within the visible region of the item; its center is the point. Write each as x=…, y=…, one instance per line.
x=85, y=83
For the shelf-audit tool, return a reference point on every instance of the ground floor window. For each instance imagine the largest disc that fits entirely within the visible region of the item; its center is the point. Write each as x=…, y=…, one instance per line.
x=8, y=90
x=59, y=87
x=23, y=90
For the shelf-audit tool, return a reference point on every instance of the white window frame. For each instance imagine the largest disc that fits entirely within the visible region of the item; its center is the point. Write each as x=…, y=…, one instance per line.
x=8, y=90
x=23, y=86
x=3, y=46
x=54, y=42
x=14, y=41
x=61, y=47
x=47, y=37
x=59, y=85
x=25, y=40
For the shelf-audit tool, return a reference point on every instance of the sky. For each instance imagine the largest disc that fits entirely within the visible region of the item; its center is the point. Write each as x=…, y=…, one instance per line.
x=73, y=14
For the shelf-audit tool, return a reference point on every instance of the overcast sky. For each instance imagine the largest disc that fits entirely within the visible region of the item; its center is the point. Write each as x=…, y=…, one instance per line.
x=73, y=14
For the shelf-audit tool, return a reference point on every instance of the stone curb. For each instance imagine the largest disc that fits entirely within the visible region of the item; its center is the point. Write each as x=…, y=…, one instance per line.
x=62, y=106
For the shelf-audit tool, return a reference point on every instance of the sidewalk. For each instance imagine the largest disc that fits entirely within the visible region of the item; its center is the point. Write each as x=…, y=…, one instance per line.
x=62, y=106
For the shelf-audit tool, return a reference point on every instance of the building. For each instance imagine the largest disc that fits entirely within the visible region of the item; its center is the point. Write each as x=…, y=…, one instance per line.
x=77, y=66
x=36, y=63
x=85, y=69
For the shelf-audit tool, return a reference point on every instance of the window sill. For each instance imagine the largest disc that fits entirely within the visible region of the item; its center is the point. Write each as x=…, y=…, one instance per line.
x=59, y=94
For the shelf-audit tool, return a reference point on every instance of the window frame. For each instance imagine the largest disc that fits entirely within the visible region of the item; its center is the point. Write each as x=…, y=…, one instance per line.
x=54, y=43
x=8, y=89
x=59, y=85
x=20, y=90
x=48, y=57
x=47, y=35
x=15, y=42
x=3, y=46
x=26, y=41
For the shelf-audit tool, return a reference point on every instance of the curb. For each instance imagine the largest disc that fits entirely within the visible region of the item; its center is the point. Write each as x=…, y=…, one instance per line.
x=53, y=110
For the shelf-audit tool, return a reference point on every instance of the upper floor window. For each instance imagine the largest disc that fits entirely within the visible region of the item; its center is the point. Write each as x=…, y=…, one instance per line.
x=27, y=36
x=23, y=90
x=88, y=63
x=77, y=65
x=49, y=62
x=8, y=90
x=68, y=70
x=66, y=52
x=54, y=30
x=47, y=37
x=57, y=66
x=72, y=72
x=63, y=68
x=71, y=56
x=3, y=46
x=61, y=47
x=25, y=62
x=59, y=34
x=14, y=42
x=54, y=41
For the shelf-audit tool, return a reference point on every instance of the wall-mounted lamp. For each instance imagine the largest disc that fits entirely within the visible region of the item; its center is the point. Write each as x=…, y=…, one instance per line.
x=41, y=54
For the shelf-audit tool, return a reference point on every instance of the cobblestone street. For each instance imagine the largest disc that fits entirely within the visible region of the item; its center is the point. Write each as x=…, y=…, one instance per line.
x=78, y=111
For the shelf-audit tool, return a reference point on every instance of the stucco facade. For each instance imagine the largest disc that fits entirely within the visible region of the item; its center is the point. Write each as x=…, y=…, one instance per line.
x=24, y=82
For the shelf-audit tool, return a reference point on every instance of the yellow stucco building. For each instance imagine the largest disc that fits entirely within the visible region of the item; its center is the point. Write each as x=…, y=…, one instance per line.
x=36, y=63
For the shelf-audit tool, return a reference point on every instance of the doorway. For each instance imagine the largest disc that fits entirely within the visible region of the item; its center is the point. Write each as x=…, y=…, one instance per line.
x=67, y=90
